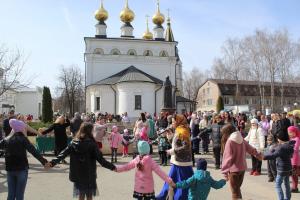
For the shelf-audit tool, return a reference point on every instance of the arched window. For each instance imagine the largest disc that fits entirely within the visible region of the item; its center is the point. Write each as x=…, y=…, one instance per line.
x=115, y=52
x=148, y=53
x=131, y=52
x=163, y=54
x=98, y=51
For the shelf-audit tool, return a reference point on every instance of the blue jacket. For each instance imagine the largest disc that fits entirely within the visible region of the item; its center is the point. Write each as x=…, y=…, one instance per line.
x=283, y=154
x=200, y=184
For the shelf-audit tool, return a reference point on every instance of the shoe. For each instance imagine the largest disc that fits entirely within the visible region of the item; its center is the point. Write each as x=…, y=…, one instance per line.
x=256, y=173
x=252, y=172
x=123, y=156
x=217, y=167
x=295, y=190
x=271, y=180
x=165, y=164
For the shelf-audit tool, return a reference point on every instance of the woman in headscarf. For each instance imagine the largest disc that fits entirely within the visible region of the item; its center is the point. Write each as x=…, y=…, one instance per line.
x=181, y=158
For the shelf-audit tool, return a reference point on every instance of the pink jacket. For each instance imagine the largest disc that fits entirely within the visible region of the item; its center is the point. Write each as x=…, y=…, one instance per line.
x=144, y=134
x=144, y=182
x=234, y=156
x=115, y=139
x=296, y=157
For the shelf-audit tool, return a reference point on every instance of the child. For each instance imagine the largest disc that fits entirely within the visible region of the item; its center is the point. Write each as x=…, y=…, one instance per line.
x=163, y=146
x=200, y=183
x=126, y=142
x=271, y=164
x=16, y=162
x=294, y=134
x=115, y=140
x=144, y=165
x=84, y=153
x=283, y=154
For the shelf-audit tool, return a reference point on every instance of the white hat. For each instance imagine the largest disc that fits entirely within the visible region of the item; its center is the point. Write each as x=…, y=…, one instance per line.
x=254, y=121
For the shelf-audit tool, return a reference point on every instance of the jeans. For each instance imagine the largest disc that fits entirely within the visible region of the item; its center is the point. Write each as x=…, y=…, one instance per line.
x=285, y=180
x=114, y=154
x=16, y=181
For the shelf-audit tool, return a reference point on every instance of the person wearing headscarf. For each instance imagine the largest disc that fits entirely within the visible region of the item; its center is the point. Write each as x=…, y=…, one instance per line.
x=75, y=123
x=181, y=158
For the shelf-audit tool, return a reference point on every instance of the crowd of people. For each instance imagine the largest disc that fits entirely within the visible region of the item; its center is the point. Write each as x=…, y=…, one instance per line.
x=275, y=138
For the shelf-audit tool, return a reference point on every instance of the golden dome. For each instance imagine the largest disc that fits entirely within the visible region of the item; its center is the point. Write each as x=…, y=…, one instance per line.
x=147, y=35
x=158, y=18
x=126, y=14
x=101, y=14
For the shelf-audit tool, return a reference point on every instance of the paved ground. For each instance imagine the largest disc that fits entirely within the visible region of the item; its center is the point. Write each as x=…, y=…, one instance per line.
x=54, y=184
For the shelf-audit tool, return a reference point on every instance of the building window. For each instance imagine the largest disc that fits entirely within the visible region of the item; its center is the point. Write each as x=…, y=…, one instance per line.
x=148, y=53
x=98, y=51
x=163, y=54
x=231, y=100
x=138, y=102
x=207, y=91
x=97, y=103
x=115, y=52
x=226, y=100
x=209, y=102
x=131, y=52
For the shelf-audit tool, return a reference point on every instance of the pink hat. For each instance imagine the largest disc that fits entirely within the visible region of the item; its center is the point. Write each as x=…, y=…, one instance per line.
x=294, y=129
x=114, y=128
x=17, y=125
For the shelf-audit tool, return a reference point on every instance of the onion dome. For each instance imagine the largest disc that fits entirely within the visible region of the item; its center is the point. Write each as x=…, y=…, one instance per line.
x=169, y=33
x=158, y=18
x=101, y=14
x=147, y=35
x=126, y=14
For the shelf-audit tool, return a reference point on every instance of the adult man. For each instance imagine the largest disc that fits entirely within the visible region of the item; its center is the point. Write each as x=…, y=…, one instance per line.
x=75, y=123
x=285, y=122
x=125, y=118
x=6, y=126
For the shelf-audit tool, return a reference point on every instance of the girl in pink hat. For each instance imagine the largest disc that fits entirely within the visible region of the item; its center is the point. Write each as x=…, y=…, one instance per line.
x=294, y=135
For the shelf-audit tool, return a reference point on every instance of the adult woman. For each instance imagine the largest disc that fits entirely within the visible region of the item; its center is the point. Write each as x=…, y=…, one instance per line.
x=234, y=161
x=216, y=139
x=204, y=127
x=181, y=158
x=256, y=139
x=59, y=128
x=265, y=126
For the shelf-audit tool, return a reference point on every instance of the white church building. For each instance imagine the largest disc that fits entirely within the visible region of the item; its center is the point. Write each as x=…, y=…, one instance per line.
x=126, y=73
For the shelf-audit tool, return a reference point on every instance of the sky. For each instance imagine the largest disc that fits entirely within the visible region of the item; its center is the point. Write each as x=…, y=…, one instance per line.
x=50, y=32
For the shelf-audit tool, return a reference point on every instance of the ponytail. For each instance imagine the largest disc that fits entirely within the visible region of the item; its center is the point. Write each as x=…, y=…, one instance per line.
x=140, y=166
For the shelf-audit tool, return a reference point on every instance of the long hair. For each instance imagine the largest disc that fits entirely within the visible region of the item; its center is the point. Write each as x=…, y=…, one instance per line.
x=85, y=131
x=226, y=132
x=140, y=165
x=143, y=117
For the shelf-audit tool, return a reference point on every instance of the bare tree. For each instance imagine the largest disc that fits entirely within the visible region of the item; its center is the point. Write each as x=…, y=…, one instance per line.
x=71, y=87
x=11, y=70
x=192, y=80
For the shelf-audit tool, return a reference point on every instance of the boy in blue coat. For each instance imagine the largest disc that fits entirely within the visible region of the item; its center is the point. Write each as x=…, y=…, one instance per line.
x=200, y=183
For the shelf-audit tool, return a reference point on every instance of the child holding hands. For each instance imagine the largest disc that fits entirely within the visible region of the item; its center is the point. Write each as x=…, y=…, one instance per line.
x=115, y=140
x=144, y=165
x=294, y=134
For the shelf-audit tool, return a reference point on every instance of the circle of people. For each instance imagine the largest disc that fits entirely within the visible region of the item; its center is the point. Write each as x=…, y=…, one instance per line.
x=178, y=136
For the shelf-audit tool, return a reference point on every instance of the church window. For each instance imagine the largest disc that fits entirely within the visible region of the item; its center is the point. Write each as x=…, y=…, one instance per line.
x=138, y=102
x=163, y=54
x=115, y=52
x=132, y=52
x=148, y=53
x=98, y=51
x=97, y=103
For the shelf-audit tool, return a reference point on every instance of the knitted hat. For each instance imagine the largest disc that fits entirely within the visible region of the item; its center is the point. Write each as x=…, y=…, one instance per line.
x=17, y=125
x=201, y=164
x=143, y=148
x=295, y=130
x=254, y=121
x=114, y=128
x=283, y=136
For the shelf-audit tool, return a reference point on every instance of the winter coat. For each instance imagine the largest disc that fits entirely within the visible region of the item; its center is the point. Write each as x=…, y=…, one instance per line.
x=216, y=134
x=296, y=155
x=256, y=139
x=144, y=182
x=199, y=185
x=83, y=157
x=15, y=152
x=163, y=143
x=115, y=140
x=75, y=125
x=234, y=156
x=283, y=154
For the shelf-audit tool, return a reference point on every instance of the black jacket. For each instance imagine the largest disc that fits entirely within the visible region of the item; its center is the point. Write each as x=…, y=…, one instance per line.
x=216, y=134
x=15, y=152
x=83, y=156
x=6, y=126
x=283, y=154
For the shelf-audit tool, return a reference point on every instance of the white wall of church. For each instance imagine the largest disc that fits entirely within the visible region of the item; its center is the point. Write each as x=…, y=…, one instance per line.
x=103, y=65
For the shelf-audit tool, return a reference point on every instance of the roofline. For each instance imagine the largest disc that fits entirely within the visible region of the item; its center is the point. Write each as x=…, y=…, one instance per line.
x=129, y=39
x=95, y=84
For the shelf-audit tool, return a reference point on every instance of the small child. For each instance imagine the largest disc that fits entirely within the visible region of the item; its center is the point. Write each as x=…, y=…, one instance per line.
x=163, y=146
x=283, y=154
x=126, y=142
x=294, y=134
x=115, y=140
x=271, y=164
x=144, y=165
x=200, y=183
x=84, y=153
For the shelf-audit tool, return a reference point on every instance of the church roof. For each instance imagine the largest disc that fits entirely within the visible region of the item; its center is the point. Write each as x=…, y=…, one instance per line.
x=130, y=74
